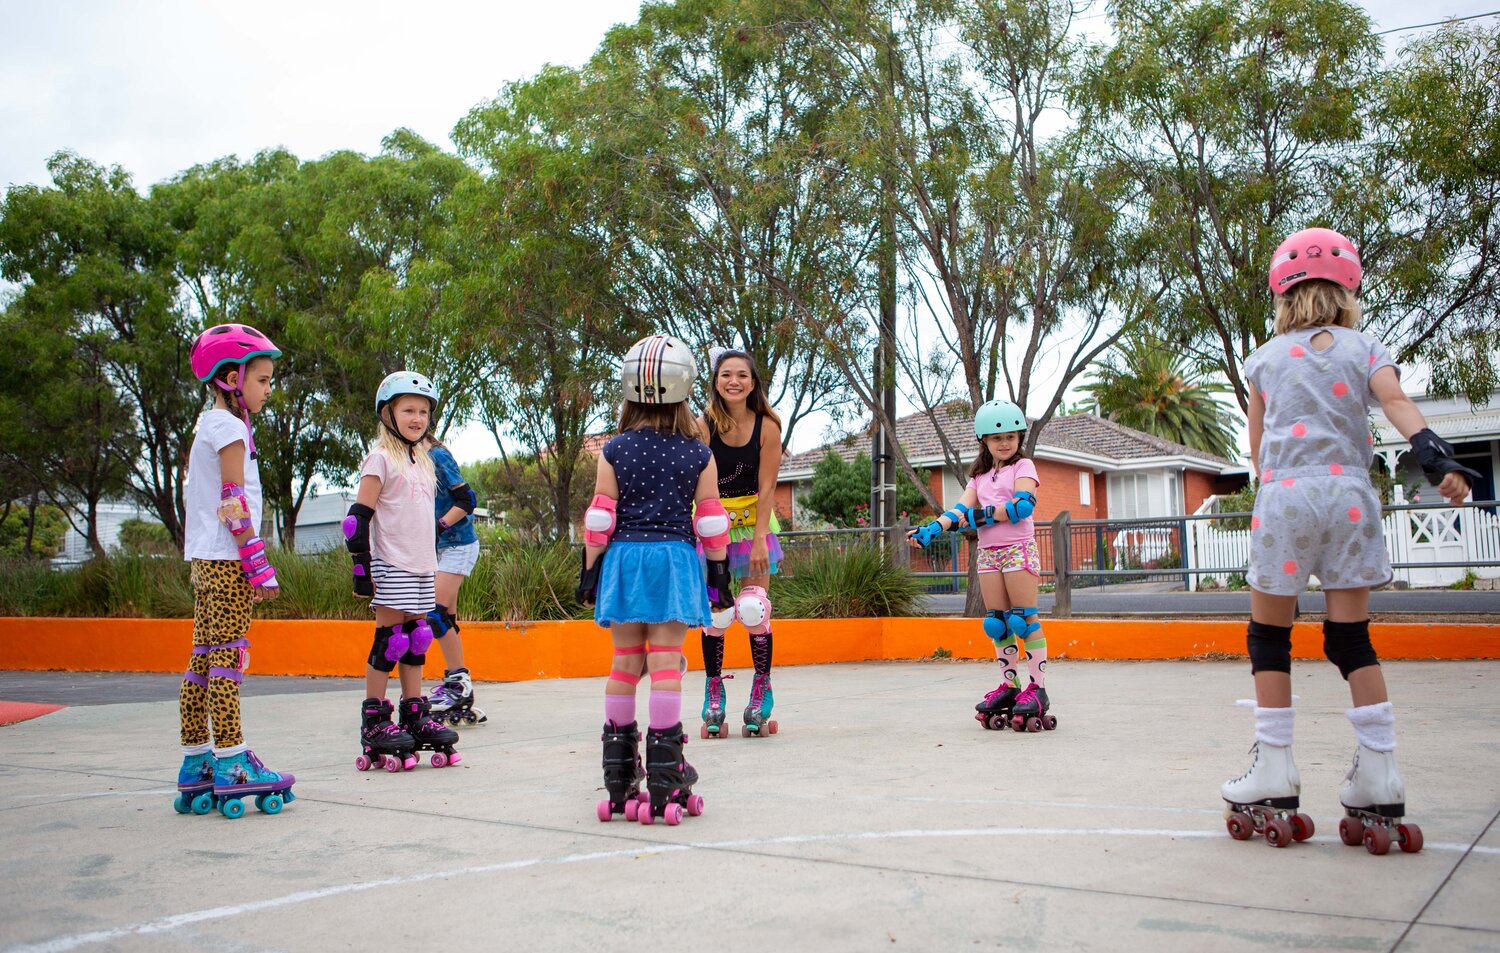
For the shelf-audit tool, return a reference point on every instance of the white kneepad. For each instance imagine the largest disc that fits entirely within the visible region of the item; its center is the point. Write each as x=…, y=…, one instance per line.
x=754, y=608
x=711, y=525
x=722, y=618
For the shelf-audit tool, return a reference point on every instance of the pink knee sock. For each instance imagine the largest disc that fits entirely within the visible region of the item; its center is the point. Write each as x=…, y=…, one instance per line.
x=666, y=708
x=619, y=709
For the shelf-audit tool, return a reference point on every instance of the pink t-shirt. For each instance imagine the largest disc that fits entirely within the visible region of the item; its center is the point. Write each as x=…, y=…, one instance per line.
x=403, y=531
x=997, y=488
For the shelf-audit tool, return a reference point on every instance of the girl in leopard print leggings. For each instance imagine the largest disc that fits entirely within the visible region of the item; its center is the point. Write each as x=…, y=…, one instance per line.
x=229, y=573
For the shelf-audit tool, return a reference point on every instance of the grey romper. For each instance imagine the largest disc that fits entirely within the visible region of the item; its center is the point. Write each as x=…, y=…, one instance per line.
x=1317, y=512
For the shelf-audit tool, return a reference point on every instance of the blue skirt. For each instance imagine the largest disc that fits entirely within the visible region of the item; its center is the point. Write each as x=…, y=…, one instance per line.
x=652, y=582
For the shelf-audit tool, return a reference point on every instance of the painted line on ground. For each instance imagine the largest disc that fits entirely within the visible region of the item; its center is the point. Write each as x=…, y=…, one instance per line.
x=167, y=924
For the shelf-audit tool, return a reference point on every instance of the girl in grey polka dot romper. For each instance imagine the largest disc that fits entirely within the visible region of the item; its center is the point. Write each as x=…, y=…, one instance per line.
x=1317, y=513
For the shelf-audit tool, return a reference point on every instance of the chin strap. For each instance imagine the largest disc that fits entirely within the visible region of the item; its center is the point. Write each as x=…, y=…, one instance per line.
x=236, y=400
x=411, y=445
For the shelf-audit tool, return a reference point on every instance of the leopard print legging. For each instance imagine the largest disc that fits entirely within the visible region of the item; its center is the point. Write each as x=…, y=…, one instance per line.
x=221, y=613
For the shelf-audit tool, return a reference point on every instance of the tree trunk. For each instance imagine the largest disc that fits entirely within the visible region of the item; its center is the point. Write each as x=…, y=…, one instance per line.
x=30, y=524
x=91, y=527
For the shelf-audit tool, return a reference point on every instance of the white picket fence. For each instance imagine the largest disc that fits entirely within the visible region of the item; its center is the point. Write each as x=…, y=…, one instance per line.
x=1466, y=535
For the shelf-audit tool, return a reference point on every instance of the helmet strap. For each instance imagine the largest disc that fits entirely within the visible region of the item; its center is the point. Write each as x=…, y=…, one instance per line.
x=236, y=402
x=390, y=425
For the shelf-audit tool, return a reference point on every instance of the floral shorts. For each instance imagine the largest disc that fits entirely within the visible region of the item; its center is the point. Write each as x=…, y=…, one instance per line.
x=1011, y=558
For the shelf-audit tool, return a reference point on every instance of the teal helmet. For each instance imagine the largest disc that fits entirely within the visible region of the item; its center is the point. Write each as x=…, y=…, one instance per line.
x=998, y=416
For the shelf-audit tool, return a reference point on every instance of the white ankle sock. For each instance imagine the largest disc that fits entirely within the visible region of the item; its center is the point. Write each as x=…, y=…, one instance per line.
x=1273, y=726
x=231, y=751
x=1374, y=726
x=196, y=749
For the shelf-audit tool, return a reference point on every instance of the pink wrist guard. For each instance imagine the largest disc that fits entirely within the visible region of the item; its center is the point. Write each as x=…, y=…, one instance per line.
x=258, y=569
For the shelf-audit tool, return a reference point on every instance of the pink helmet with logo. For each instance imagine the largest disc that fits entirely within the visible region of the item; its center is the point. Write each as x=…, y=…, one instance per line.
x=228, y=344
x=1315, y=253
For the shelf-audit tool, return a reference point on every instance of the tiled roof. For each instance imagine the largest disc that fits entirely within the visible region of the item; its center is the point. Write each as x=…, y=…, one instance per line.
x=1080, y=433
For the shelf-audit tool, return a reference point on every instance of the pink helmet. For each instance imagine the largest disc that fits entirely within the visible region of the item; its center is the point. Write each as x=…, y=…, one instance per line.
x=228, y=344
x=1315, y=253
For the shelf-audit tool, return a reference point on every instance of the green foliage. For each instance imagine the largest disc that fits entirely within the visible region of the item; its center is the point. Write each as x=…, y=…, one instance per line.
x=1240, y=501
x=524, y=582
x=856, y=581
x=840, y=491
x=51, y=528
x=1155, y=389
x=1467, y=582
x=517, y=489
x=145, y=538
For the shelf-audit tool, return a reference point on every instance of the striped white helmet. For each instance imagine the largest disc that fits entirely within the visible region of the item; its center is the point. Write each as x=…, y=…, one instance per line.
x=658, y=370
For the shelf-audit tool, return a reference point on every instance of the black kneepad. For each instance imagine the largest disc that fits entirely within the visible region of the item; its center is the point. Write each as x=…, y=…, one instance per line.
x=1347, y=645
x=1270, y=647
x=378, y=660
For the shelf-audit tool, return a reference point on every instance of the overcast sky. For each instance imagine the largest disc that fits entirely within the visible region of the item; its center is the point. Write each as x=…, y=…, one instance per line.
x=157, y=86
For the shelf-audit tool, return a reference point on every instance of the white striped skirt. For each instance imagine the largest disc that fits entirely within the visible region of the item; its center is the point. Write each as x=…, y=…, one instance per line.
x=411, y=592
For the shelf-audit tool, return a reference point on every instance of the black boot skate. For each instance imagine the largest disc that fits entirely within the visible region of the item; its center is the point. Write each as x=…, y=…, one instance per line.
x=1030, y=711
x=429, y=735
x=385, y=745
x=994, y=711
x=623, y=773
x=669, y=778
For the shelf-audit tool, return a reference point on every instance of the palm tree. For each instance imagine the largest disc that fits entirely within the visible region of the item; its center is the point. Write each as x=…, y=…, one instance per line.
x=1149, y=386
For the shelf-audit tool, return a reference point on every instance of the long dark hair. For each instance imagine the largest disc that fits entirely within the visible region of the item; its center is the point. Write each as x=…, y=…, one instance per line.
x=718, y=411
x=985, y=462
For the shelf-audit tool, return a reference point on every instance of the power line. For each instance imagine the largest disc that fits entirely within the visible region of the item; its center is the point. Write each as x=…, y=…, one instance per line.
x=1419, y=26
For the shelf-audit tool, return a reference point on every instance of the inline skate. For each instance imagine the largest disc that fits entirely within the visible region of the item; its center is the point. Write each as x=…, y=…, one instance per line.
x=453, y=700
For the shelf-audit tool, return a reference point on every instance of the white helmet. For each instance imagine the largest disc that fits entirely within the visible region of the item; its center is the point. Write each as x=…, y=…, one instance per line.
x=658, y=370
x=404, y=382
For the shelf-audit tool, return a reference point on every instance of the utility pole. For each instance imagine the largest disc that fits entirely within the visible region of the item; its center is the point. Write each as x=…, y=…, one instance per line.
x=882, y=457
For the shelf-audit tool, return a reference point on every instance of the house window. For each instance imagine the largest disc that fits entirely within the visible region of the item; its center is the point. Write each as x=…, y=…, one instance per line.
x=1143, y=495
x=1085, y=484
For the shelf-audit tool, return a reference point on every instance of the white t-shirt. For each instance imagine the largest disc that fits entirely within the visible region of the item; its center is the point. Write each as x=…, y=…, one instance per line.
x=204, y=536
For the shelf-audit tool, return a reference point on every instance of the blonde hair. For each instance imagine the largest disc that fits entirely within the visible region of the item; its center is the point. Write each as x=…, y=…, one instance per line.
x=408, y=459
x=663, y=418
x=1317, y=303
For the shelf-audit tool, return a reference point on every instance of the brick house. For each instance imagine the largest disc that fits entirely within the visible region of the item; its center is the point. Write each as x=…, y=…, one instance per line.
x=1092, y=467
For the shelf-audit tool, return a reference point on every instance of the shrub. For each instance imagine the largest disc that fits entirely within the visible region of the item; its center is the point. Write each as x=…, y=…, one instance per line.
x=858, y=582
x=523, y=582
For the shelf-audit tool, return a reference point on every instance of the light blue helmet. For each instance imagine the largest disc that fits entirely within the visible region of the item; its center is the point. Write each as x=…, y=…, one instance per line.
x=998, y=416
x=404, y=382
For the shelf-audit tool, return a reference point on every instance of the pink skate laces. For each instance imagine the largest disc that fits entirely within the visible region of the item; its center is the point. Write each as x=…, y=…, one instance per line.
x=1027, y=694
x=999, y=690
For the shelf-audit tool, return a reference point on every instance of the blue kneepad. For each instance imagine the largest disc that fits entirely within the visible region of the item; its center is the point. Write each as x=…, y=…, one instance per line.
x=995, y=626
x=1015, y=620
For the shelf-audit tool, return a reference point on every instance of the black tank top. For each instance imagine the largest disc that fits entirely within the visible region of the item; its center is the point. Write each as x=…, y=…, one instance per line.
x=739, y=467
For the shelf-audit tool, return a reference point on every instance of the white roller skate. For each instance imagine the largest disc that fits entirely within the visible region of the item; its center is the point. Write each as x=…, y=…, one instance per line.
x=1374, y=800
x=452, y=701
x=1266, y=798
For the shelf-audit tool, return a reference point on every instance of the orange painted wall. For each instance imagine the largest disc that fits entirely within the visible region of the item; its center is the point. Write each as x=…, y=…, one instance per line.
x=502, y=652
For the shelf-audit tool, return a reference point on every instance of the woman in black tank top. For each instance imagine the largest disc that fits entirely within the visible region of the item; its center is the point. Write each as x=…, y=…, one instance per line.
x=744, y=434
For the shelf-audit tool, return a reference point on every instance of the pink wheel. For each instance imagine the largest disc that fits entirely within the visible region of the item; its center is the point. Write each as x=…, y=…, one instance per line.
x=602, y=809
x=454, y=758
x=1049, y=722
x=1409, y=836
x=1302, y=827
x=695, y=805
x=1018, y=723
x=703, y=731
x=362, y=763
x=643, y=814
x=774, y=726
x=392, y=765
x=410, y=763
x=1278, y=832
x=439, y=760
x=672, y=815
x=1377, y=839
x=1351, y=831
x=632, y=809
x=1033, y=724
x=1240, y=826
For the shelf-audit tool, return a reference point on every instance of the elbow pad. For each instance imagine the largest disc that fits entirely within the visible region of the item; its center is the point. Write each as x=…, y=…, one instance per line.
x=357, y=528
x=464, y=498
x=1021, y=507
x=599, y=521
x=711, y=523
x=234, y=509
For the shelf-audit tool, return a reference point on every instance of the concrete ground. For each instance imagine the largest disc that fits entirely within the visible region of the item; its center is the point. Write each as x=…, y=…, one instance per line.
x=1165, y=599
x=881, y=817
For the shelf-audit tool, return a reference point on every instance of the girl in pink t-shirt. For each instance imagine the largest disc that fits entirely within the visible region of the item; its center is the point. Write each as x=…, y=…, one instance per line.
x=999, y=500
x=392, y=535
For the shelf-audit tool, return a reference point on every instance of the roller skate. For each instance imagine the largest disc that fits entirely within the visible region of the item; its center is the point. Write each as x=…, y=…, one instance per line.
x=669, y=778
x=1030, y=711
x=240, y=774
x=1265, y=799
x=1374, y=800
x=623, y=773
x=195, y=783
x=385, y=745
x=429, y=735
x=453, y=700
x=714, y=705
x=758, y=720
x=994, y=712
